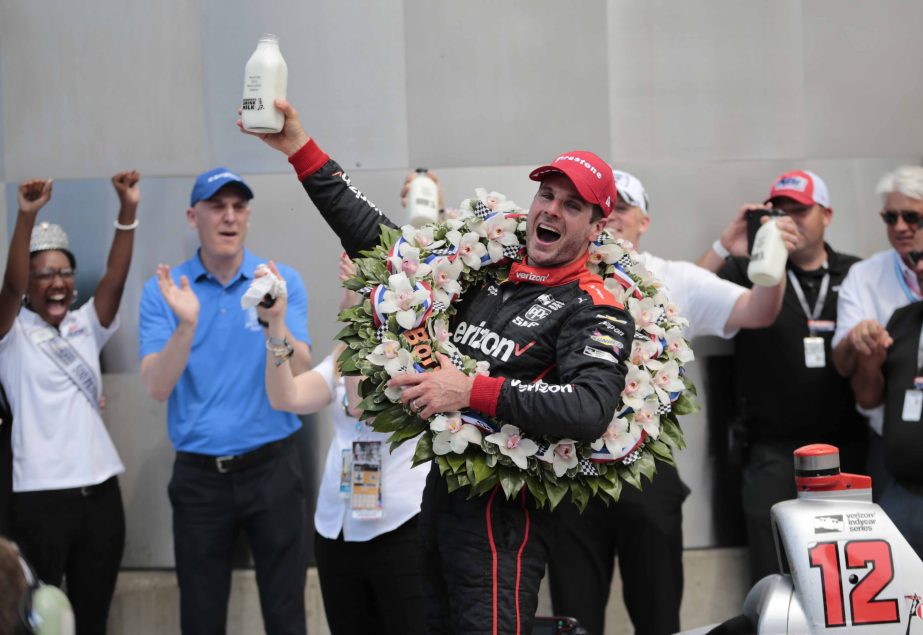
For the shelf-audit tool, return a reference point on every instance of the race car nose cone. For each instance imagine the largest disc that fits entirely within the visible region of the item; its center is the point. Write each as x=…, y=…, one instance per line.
x=818, y=459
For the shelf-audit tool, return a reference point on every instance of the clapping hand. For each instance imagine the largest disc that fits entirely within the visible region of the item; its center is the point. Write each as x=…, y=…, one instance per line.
x=182, y=299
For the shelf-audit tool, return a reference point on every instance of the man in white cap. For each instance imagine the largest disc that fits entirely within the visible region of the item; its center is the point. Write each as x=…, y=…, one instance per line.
x=645, y=527
x=788, y=392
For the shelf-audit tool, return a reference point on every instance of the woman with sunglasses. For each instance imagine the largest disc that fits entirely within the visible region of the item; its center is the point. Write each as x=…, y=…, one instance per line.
x=67, y=509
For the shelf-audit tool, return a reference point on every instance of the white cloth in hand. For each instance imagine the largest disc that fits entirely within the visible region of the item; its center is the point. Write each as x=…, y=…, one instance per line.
x=267, y=284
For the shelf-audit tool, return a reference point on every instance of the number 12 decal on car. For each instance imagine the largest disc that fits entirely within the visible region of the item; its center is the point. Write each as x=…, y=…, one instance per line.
x=865, y=606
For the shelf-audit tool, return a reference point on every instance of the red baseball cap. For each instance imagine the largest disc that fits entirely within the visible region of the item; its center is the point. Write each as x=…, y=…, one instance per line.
x=590, y=175
x=801, y=185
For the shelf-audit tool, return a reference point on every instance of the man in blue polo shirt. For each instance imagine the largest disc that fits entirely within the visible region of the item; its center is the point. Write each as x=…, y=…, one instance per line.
x=236, y=466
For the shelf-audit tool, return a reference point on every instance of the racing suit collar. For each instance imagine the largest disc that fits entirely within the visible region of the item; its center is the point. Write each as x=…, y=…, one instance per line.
x=550, y=276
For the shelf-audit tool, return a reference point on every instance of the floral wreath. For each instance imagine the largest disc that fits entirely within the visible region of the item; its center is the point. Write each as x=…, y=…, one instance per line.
x=409, y=282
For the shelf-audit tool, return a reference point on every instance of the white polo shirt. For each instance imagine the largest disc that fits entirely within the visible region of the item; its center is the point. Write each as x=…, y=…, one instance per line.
x=59, y=439
x=701, y=296
x=401, y=484
x=872, y=290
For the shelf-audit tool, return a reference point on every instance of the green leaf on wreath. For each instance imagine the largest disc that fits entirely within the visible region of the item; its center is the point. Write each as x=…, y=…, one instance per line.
x=406, y=433
x=685, y=405
x=394, y=418
x=580, y=494
x=661, y=450
x=424, y=451
x=511, y=480
x=646, y=465
x=451, y=481
x=348, y=364
x=537, y=490
x=456, y=461
x=674, y=432
x=354, y=284
x=631, y=477
x=348, y=331
x=555, y=491
x=612, y=488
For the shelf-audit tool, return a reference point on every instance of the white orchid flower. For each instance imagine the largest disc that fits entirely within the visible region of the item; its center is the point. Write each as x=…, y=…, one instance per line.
x=677, y=346
x=620, y=293
x=619, y=438
x=667, y=380
x=424, y=237
x=495, y=200
x=514, y=445
x=637, y=387
x=445, y=279
x=402, y=364
x=646, y=313
x=482, y=368
x=408, y=261
x=643, y=351
x=500, y=233
x=453, y=434
x=562, y=456
x=384, y=352
x=470, y=248
x=647, y=418
x=402, y=299
x=608, y=253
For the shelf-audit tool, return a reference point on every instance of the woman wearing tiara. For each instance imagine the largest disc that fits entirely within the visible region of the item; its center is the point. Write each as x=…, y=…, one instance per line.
x=67, y=509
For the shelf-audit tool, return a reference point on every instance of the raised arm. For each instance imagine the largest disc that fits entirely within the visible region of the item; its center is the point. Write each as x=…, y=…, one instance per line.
x=33, y=195
x=161, y=371
x=348, y=212
x=108, y=294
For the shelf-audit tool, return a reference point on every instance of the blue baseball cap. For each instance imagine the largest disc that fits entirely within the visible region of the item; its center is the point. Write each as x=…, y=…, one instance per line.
x=208, y=183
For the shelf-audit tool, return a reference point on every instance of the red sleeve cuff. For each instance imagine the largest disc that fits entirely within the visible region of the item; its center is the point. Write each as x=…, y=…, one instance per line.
x=308, y=160
x=484, y=394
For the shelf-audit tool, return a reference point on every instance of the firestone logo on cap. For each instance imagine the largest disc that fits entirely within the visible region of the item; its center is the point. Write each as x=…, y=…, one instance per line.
x=791, y=182
x=803, y=186
x=580, y=161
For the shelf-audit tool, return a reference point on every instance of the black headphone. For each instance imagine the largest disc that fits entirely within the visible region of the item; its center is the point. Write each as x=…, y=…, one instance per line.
x=43, y=609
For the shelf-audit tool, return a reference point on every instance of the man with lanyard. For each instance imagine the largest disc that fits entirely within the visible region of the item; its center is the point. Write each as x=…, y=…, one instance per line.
x=788, y=391
x=892, y=377
x=645, y=527
x=484, y=556
x=874, y=289
x=236, y=466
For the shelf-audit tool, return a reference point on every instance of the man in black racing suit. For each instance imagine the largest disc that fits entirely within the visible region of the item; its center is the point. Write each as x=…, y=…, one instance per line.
x=551, y=373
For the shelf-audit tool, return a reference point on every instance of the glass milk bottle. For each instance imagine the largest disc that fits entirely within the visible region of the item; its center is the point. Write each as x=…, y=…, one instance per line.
x=265, y=79
x=767, y=259
x=422, y=199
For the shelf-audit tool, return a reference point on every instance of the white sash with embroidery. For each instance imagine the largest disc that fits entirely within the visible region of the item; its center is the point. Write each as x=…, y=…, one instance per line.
x=66, y=357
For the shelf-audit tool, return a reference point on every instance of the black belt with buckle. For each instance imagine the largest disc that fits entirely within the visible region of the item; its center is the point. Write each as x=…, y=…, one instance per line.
x=234, y=462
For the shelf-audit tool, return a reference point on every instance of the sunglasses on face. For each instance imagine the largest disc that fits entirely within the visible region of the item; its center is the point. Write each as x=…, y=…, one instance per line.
x=910, y=217
x=46, y=275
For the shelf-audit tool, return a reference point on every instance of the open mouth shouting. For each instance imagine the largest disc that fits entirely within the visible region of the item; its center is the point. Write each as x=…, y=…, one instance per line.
x=546, y=234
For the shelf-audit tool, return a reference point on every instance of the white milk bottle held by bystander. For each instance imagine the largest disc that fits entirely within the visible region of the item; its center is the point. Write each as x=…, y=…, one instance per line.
x=767, y=259
x=422, y=199
x=265, y=79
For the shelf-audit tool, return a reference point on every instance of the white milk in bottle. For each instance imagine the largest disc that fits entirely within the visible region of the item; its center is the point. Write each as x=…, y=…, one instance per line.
x=767, y=259
x=423, y=199
x=265, y=79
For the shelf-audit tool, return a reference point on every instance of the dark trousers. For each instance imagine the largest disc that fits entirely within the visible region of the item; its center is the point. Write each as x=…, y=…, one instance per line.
x=644, y=528
x=374, y=586
x=268, y=502
x=768, y=477
x=77, y=536
x=483, y=559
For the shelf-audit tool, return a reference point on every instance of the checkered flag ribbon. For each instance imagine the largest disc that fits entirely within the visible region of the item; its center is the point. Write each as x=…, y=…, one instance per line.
x=662, y=318
x=663, y=409
x=624, y=261
x=364, y=291
x=587, y=467
x=511, y=251
x=443, y=251
x=457, y=360
x=439, y=307
x=631, y=458
x=542, y=448
x=481, y=210
x=380, y=332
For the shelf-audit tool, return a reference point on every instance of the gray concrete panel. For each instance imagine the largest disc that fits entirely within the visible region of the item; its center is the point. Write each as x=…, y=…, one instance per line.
x=345, y=76
x=705, y=79
x=863, y=86
x=504, y=83
x=89, y=92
